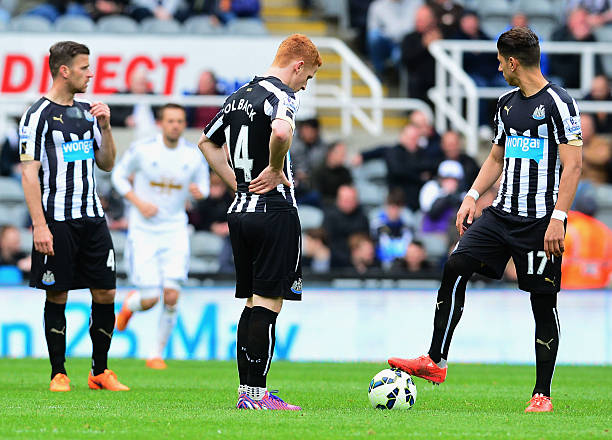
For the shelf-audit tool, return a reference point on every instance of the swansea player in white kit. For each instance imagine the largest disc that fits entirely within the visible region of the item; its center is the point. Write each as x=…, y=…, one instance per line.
x=256, y=123
x=166, y=172
x=537, y=150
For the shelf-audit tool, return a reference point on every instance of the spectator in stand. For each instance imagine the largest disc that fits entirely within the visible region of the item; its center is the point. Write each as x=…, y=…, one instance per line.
x=521, y=20
x=341, y=221
x=447, y=13
x=138, y=116
x=600, y=91
x=10, y=249
x=429, y=139
x=307, y=153
x=229, y=10
x=199, y=117
x=358, y=14
x=10, y=165
x=440, y=199
x=363, y=256
x=210, y=214
x=416, y=58
x=388, y=22
x=565, y=68
x=160, y=9
x=391, y=229
x=52, y=9
x=316, y=253
x=408, y=166
x=332, y=174
x=599, y=11
x=414, y=261
x=452, y=149
x=596, y=152
x=103, y=8
x=193, y=8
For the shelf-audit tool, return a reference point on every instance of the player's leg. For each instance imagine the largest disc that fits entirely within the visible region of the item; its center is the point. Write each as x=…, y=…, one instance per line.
x=167, y=322
x=55, y=334
x=242, y=338
x=544, y=307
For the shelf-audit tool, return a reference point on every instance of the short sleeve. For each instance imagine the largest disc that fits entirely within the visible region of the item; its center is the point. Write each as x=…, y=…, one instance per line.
x=499, y=134
x=566, y=120
x=32, y=130
x=283, y=106
x=215, y=128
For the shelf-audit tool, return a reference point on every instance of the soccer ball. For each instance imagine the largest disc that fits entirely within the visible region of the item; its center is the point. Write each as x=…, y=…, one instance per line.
x=392, y=389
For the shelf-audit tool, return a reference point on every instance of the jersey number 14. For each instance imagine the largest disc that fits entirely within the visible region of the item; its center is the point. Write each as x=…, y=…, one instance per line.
x=241, y=151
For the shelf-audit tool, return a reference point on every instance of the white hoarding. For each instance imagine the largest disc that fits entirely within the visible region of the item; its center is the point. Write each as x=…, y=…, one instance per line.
x=329, y=325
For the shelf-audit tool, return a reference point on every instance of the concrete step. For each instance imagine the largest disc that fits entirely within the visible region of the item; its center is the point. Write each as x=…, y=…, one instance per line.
x=310, y=28
x=282, y=13
x=334, y=122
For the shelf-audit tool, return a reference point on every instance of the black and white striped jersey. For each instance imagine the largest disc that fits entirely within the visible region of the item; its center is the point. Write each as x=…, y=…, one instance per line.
x=530, y=130
x=244, y=124
x=63, y=138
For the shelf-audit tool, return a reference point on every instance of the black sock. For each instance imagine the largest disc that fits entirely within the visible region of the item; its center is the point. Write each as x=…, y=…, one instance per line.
x=55, y=334
x=242, y=339
x=260, y=348
x=544, y=307
x=449, y=303
x=101, y=329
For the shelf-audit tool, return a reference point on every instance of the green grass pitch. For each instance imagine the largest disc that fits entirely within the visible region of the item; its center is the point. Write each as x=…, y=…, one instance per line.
x=194, y=399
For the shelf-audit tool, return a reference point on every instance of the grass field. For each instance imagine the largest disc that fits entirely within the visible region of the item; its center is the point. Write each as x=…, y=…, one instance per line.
x=193, y=399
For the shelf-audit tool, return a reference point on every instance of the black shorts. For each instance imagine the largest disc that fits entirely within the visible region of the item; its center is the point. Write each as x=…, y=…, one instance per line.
x=84, y=257
x=496, y=236
x=267, y=253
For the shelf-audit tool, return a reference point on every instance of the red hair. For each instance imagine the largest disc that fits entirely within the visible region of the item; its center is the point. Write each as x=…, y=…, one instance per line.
x=297, y=47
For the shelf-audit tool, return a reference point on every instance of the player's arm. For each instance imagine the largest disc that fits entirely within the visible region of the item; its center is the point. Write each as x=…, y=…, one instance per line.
x=571, y=160
x=120, y=178
x=489, y=173
x=273, y=175
x=107, y=151
x=200, y=185
x=43, y=239
x=217, y=159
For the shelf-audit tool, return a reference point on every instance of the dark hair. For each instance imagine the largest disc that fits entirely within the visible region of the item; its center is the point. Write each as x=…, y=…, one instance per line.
x=520, y=43
x=160, y=111
x=396, y=197
x=62, y=53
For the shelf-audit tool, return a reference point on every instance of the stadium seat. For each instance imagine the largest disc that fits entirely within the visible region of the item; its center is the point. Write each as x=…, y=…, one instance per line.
x=372, y=170
x=25, y=240
x=117, y=24
x=30, y=23
x=310, y=217
x=435, y=244
x=603, y=33
x=603, y=195
x=203, y=265
x=539, y=8
x=604, y=215
x=201, y=24
x=205, y=244
x=494, y=26
x=496, y=8
x=371, y=194
x=155, y=26
x=246, y=26
x=13, y=215
x=543, y=27
x=74, y=23
x=10, y=190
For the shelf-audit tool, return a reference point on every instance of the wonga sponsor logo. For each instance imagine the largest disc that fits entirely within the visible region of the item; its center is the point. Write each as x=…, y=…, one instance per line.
x=78, y=150
x=524, y=147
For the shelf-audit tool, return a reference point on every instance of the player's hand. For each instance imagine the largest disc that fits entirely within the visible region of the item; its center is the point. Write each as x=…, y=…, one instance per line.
x=147, y=209
x=101, y=112
x=43, y=240
x=267, y=180
x=195, y=192
x=554, y=238
x=467, y=210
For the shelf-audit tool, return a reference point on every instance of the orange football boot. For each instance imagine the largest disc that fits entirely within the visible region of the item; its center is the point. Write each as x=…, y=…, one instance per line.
x=156, y=364
x=539, y=403
x=60, y=382
x=422, y=367
x=105, y=381
x=124, y=314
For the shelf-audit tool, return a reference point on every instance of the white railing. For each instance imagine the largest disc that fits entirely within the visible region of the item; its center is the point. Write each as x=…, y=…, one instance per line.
x=453, y=85
x=368, y=111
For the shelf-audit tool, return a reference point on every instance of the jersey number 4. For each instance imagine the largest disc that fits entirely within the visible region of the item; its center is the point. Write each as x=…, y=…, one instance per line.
x=241, y=151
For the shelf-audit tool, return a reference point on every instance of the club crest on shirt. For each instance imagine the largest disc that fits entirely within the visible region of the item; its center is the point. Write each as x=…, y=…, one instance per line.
x=89, y=116
x=539, y=113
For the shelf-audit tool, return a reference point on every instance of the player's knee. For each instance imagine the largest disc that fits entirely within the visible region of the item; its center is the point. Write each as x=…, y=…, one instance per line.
x=57, y=297
x=171, y=296
x=148, y=303
x=103, y=296
x=460, y=264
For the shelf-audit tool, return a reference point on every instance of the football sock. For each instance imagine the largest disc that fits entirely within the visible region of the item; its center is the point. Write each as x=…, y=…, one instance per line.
x=256, y=393
x=260, y=347
x=544, y=307
x=449, y=303
x=242, y=339
x=167, y=321
x=134, y=302
x=55, y=334
x=242, y=389
x=101, y=329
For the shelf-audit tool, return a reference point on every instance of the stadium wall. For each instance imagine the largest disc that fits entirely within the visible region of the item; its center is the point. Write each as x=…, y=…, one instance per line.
x=329, y=325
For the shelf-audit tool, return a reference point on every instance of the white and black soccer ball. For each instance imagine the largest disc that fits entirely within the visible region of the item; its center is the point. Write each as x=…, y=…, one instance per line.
x=392, y=389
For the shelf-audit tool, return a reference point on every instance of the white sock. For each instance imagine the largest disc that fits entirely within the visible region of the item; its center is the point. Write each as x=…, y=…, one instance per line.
x=167, y=320
x=134, y=302
x=242, y=389
x=442, y=363
x=256, y=393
